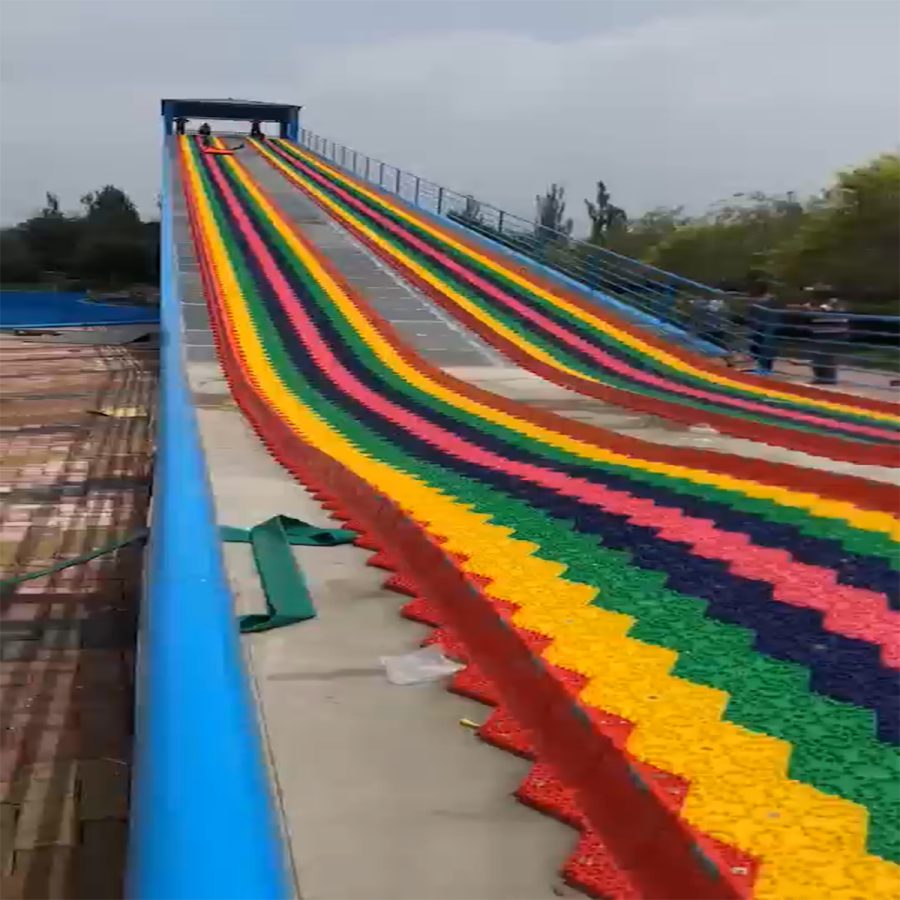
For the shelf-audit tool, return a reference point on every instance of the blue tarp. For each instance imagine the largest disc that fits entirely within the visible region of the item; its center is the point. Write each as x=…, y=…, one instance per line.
x=57, y=309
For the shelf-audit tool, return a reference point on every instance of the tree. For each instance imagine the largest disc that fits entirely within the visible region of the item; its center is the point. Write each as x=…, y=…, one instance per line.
x=114, y=249
x=51, y=206
x=729, y=246
x=551, y=211
x=718, y=255
x=107, y=246
x=849, y=239
x=110, y=210
x=18, y=263
x=50, y=235
x=108, y=260
x=606, y=218
x=639, y=236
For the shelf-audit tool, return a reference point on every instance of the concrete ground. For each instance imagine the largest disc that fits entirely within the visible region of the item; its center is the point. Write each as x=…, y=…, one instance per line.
x=877, y=384
x=383, y=794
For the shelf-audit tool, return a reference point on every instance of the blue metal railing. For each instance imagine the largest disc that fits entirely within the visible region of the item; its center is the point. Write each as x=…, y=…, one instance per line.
x=631, y=287
x=861, y=349
x=202, y=823
x=715, y=322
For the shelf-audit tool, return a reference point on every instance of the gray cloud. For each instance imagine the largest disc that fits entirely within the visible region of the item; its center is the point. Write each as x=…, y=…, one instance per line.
x=669, y=102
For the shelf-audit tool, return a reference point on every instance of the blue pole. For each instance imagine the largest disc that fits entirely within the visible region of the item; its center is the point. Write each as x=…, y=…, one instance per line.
x=203, y=825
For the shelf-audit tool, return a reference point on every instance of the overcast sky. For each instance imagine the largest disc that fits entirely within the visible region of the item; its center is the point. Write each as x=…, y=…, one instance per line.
x=668, y=101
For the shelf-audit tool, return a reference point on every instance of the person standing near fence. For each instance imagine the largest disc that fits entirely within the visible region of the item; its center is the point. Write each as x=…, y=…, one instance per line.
x=829, y=330
x=762, y=319
x=709, y=319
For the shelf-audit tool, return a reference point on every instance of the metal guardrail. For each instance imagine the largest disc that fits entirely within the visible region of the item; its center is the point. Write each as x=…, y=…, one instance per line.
x=202, y=824
x=722, y=323
x=640, y=287
x=836, y=347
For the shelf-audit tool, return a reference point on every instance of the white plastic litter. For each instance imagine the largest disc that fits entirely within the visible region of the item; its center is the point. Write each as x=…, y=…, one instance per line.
x=420, y=666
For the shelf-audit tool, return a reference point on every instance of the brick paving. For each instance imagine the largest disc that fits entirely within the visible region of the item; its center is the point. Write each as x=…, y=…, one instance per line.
x=75, y=466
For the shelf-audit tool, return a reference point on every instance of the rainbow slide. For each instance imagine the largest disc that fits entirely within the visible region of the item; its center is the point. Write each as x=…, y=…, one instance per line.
x=557, y=334
x=700, y=652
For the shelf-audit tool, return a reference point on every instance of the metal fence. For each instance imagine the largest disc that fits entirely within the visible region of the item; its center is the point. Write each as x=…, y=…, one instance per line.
x=865, y=354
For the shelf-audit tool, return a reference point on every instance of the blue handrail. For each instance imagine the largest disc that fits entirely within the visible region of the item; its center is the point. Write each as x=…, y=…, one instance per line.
x=635, y=308
x=203, y=825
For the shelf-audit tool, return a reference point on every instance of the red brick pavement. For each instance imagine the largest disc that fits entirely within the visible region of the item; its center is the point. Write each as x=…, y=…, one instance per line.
x=75, y=463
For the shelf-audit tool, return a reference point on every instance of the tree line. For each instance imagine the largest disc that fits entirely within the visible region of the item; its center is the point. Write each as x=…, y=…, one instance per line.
x=105, y=246
x=845, y=237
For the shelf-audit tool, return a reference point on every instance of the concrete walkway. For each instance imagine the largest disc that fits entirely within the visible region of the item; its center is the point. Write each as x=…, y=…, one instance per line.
x=518, y=384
